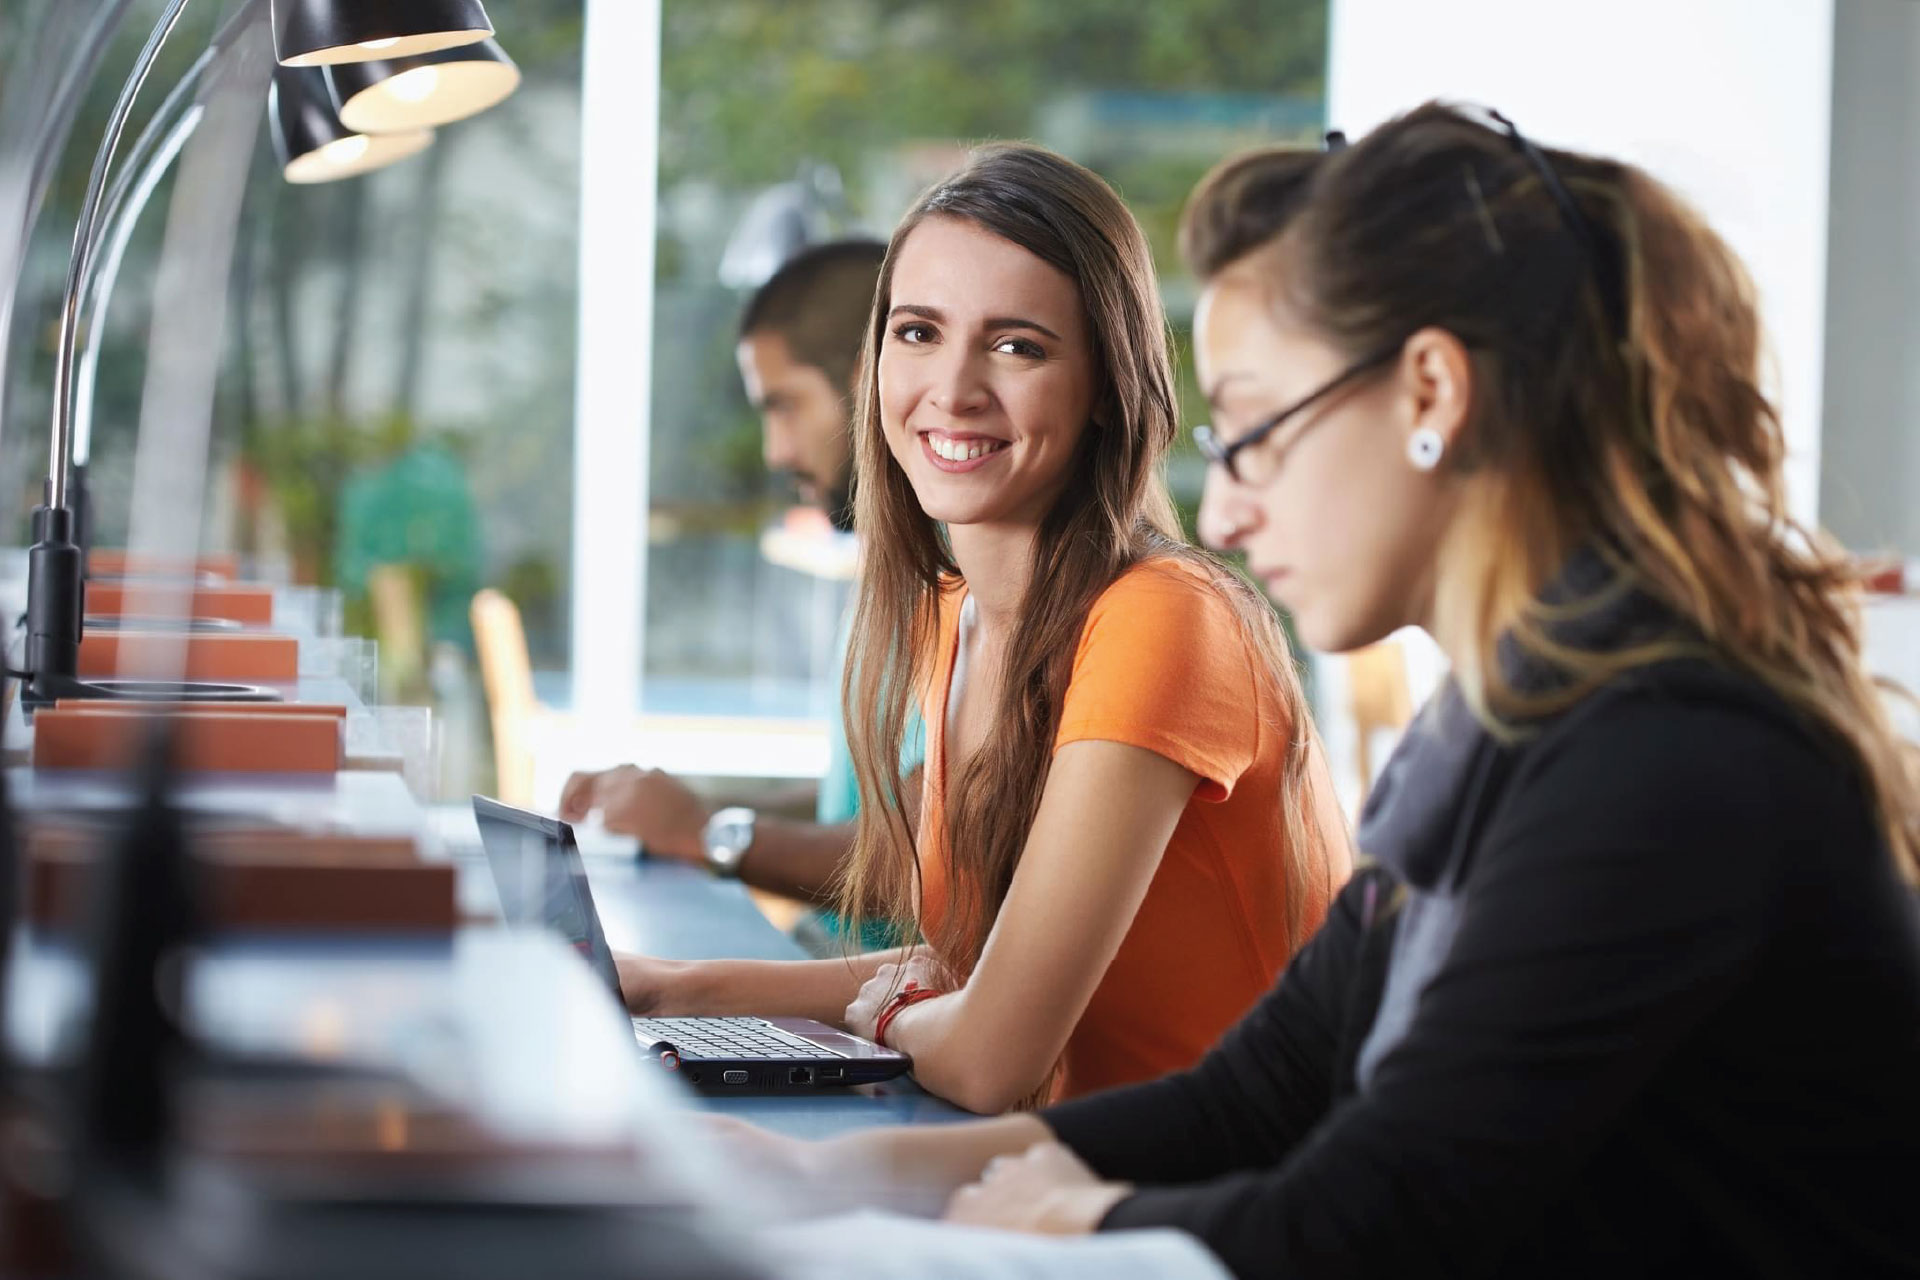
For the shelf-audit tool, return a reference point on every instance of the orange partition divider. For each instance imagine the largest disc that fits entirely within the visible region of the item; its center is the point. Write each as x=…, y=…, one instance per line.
x=250, y=604
x=333, y=709
x=271, y=658
x=116, y=562
x=265, y=879
x=208, y=741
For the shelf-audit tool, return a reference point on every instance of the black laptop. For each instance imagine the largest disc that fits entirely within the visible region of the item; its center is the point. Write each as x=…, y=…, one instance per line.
x=543, y=881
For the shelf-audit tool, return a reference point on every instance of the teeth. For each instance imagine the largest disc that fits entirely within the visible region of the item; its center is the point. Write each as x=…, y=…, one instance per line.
x=953, y=451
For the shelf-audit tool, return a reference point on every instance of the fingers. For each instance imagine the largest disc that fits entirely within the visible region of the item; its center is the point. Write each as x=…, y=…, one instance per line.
x=590, y=789
x=613, y=793
x=1011, y=1188
x=576, y=798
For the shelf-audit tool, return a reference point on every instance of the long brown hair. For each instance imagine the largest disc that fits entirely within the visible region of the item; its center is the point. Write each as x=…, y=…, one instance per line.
x=1113, y=512
x=1616, y=346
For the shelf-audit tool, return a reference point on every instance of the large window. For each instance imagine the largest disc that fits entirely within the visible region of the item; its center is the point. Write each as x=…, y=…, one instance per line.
x=827, y=117
x=401, y=405
x=396, y=407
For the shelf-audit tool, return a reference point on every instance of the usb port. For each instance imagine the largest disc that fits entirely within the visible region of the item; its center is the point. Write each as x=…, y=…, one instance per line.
x=833, y=1073
x=733, y=1077
x=799, y=1075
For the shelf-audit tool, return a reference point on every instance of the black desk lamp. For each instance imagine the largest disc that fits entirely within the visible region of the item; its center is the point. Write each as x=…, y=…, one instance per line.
x=311, y=142
x=313, y=32
x=423, y=91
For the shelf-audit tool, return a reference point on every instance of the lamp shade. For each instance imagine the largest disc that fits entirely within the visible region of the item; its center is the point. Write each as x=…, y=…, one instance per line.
x=320, y=33
x=423, y=91
x=314, y=146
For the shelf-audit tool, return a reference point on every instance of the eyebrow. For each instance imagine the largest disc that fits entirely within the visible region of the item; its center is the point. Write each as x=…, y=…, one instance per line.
x=993, y=322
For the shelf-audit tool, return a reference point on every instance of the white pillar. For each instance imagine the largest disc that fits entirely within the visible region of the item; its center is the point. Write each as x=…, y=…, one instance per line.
x=1728, y=101
x=1870, y=477
x=620, y=116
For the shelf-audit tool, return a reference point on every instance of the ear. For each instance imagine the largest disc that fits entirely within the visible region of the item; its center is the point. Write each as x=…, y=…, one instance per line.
x=1437, y=374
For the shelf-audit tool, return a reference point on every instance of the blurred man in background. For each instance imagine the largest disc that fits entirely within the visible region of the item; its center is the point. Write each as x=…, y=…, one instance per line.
x=799, y=354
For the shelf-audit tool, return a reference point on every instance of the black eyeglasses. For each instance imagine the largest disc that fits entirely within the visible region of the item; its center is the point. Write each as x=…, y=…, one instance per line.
x=1235, y=458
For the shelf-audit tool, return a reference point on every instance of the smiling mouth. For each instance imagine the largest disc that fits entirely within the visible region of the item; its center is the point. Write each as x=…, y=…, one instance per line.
x=961, y=453
x=962, y=448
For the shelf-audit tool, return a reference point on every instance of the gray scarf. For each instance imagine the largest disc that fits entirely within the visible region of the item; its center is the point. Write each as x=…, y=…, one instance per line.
x=1420, y=818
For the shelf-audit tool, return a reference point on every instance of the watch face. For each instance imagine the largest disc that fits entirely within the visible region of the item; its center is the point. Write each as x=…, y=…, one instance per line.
x=727, y=843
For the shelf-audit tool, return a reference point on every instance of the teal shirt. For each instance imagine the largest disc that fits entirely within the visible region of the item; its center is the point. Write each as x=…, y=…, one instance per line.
x=415, y=510
x=840, y=791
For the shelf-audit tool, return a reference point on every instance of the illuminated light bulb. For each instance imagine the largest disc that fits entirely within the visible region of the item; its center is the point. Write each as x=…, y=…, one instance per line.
x=346, y=151
x=374, y=46
x=416, y=85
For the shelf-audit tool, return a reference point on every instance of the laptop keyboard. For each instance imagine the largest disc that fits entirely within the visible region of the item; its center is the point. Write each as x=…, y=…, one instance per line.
x=729, y=1038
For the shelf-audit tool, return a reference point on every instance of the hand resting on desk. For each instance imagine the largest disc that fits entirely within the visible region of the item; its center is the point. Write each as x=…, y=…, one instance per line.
x=655, y=807
x=1007, y=1173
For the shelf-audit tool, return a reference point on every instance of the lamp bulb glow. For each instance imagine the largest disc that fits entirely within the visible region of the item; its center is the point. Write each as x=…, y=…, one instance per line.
x=346, y=151
x=377, y=45
x=416, y=85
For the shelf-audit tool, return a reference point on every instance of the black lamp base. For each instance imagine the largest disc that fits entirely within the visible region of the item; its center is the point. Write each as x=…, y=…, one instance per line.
x=177, y=691
x=56, y=596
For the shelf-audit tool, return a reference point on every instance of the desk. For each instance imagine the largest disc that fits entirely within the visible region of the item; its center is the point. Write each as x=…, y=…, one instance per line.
x=509, y=1024
x=368, y=804
x=363, y=750
x=681, y=913
x=511, y=1021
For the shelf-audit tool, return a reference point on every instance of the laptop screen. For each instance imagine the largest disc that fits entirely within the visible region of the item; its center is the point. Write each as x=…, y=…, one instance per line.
x=542, y=880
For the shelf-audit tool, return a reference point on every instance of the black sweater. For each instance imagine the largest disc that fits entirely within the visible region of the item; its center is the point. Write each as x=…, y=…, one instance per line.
x=1678, y=1032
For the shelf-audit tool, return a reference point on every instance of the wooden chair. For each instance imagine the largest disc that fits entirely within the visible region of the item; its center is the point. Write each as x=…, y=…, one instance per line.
x=1380, y=701
x=399, y=624
x=506, y=673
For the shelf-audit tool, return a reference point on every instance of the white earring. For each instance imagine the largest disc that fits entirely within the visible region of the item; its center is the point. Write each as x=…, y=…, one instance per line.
x=1425, y=448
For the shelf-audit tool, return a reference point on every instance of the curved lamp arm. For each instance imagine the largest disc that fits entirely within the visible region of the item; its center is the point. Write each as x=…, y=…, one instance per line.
x=37, y=112
x=148, y=161
x=119, y=226
x=84, y=241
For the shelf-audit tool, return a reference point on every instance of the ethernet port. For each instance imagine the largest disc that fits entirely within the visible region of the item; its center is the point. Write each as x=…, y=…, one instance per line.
x=799, y=1075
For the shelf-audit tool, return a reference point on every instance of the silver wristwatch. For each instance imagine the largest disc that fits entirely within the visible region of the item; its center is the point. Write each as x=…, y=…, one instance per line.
x=728, y=835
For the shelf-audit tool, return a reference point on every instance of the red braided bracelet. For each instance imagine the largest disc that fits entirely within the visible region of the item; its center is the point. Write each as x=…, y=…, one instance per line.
x=912, y=993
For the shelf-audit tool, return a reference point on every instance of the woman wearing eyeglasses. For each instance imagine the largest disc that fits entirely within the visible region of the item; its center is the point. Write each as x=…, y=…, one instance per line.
x=1124, y=828
x=1634, y=987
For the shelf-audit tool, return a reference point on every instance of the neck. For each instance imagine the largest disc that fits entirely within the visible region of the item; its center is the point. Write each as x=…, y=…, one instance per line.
x=996, y=560
x=1443, y=628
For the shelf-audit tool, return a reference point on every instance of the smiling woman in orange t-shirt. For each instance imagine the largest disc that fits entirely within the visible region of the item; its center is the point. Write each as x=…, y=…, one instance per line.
x=1124, y=827
x=1163, y=666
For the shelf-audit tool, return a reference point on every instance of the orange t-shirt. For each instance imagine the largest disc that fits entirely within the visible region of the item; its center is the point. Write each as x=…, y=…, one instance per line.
x=1164, y=664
